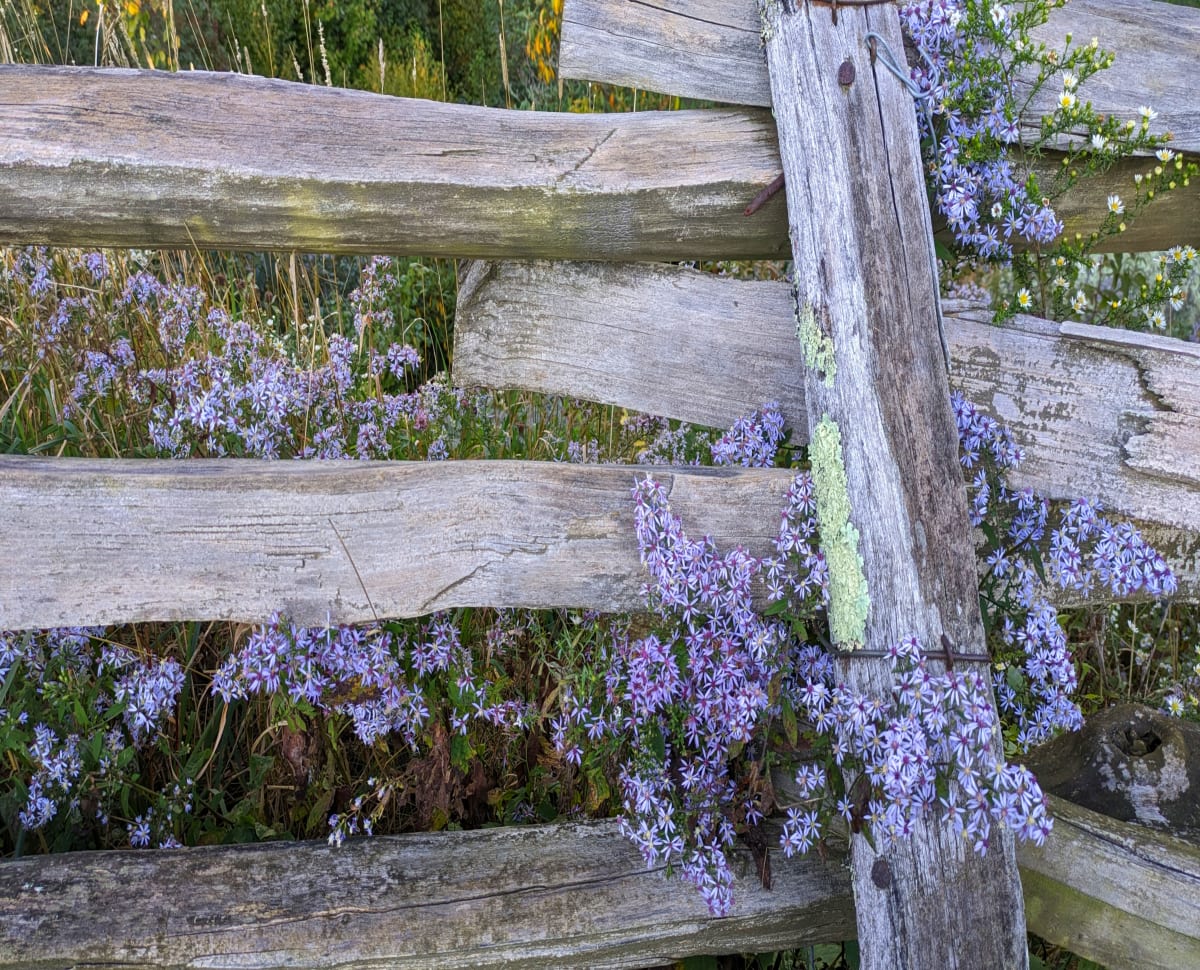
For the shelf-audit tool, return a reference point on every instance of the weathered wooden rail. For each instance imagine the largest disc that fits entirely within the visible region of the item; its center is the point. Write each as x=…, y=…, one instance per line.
x=557, y=896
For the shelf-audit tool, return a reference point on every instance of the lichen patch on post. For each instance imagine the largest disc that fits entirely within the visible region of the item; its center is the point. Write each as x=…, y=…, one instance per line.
x=849, y=601
x=815, y=343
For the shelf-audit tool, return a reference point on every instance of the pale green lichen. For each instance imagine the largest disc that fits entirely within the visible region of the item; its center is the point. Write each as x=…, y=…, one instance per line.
x=849, y=601
x=815, y=343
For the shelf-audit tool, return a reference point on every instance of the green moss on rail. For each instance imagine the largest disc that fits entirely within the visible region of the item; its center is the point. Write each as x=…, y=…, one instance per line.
x=849, y=601
x=817, y=345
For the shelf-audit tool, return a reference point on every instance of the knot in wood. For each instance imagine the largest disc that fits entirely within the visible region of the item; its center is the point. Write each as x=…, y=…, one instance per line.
x=845, y=74
x=881, y=874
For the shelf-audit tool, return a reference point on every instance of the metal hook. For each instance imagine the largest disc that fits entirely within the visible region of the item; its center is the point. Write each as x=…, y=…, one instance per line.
x=880, y=51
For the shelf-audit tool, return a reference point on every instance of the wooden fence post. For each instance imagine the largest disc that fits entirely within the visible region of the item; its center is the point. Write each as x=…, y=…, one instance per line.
x=869, y=320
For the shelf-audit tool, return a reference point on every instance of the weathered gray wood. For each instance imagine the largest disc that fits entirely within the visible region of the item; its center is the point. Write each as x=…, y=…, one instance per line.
x=142, y=158
x=1131, y=763
x=561, y=896
x=1101, y=413
x=884, y=449
x=1117, y=893
x=564, y=896
x=108, y=541
x=712, y=49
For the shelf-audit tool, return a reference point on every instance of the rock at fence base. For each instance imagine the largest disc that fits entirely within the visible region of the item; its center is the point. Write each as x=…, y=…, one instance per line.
x=1131, y=763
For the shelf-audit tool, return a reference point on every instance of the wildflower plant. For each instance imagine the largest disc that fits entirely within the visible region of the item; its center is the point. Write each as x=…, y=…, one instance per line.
x=980, y=67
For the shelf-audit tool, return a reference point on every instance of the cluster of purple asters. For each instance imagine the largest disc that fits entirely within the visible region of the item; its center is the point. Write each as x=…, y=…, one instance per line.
x=1085, y=550
x=935, y=727
x=983, y=197
x=54, y=662
x=216, y=386
x=369, y=674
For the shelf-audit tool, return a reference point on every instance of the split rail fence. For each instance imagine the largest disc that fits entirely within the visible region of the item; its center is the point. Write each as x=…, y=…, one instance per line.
x=131, y=158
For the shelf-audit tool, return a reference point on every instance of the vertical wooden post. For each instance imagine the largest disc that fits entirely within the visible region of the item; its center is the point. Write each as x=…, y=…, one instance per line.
x=869, y=318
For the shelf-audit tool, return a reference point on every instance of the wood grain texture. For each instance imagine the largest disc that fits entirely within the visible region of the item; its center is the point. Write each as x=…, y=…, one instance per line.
x=111, y=541
x=565, y=896
x=712, y=49
x=1114, y=892
x=143, y=158
x=1101, y=413
x=539, y=898
x=866, y=274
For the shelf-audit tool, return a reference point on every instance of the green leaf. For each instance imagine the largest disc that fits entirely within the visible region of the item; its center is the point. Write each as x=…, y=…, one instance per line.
x=461, y=753
x=790, y=730
x=701, y=963
x=776, y=608
x=260, y=764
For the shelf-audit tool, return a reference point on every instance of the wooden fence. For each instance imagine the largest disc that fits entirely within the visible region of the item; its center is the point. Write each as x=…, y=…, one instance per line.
x=125, y=158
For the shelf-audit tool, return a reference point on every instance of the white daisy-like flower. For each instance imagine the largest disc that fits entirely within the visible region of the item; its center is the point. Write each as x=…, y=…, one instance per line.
x=1066, y=101
x=1069, y=80
x=1164, y=154
x=1148, y=114
x=999, y=14
x=1079, y=304
x=1098, y=142
x=1024, y=299
x=1115, y=205
x=997, y=211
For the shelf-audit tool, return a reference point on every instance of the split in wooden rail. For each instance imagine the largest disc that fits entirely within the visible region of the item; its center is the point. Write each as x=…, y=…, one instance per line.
x=1102, y=413
x=113, y=541
x=562, y=896
x=105, y=157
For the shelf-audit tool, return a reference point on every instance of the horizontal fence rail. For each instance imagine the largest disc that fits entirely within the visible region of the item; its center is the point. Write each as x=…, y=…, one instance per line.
x=104, y=157
x=559, y=896
x=1103, y=414
x=113, y=541
x=712, y=49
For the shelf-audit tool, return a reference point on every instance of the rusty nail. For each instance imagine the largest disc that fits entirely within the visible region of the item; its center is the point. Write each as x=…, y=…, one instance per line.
x=845, y=73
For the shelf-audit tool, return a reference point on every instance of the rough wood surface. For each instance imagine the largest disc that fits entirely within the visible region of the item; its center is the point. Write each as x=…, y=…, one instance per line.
x=110, y=541
x=1131, y=763
x=712, y=49
x=866, y=279
x=1117, y=893
x=142, y=158
x=572, y=896
x=565, y=896
x=1101, y=413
